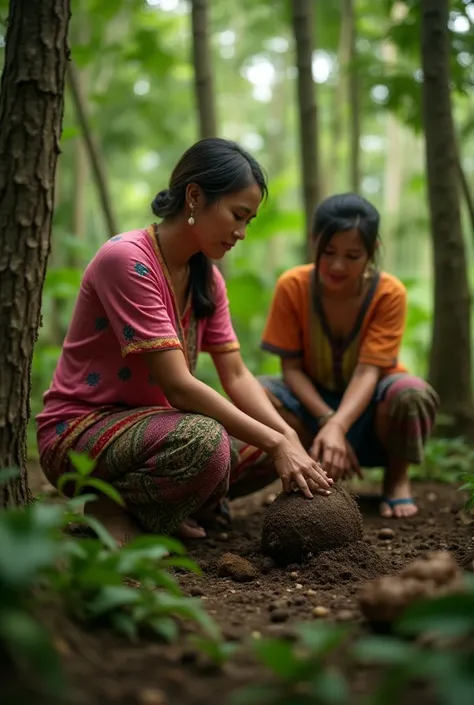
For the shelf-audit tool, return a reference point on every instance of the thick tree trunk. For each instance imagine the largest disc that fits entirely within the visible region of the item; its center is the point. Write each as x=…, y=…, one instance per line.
x=31, y=114
x=203, y=80
x=450, y=359
x=302, y=19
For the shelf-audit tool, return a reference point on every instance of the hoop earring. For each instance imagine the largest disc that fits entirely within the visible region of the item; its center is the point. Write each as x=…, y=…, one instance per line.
x=191, y=217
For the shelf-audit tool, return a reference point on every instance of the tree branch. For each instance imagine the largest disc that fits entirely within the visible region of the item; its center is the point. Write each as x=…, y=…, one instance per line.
x=95, y=157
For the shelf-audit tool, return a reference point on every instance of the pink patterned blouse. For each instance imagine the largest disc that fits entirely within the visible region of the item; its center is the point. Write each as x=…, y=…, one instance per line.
x=126, y=306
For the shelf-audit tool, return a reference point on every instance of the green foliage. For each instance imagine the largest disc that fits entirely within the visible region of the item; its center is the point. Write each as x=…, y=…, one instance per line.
x=446, y=460
x=301, y=673
x=131, y=589
x=446, y=665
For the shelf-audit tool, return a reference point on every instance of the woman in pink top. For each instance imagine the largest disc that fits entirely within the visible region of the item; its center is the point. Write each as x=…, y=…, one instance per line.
x=124, y=389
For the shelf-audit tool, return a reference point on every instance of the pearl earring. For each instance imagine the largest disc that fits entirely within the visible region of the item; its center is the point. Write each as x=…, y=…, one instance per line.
x=191, y=217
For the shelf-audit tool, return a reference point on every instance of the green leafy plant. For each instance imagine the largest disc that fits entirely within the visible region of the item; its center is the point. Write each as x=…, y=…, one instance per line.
x=446, y=460
x=446, y=664
x=301, y=674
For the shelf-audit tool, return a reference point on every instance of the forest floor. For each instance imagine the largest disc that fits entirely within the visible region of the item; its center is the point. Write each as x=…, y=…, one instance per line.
x=104, y=669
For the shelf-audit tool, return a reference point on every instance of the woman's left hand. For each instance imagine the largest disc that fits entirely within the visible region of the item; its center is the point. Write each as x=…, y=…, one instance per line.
x=330, y=449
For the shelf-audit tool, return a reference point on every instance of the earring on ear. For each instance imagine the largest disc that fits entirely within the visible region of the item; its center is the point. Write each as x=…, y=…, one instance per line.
x=191, y=217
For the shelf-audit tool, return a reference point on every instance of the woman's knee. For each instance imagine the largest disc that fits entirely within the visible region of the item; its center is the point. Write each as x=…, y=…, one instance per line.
x=413, y=395
x=208, y=447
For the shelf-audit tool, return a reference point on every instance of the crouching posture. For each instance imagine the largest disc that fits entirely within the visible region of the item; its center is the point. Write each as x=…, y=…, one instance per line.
x=337, y=326
x=124, y=390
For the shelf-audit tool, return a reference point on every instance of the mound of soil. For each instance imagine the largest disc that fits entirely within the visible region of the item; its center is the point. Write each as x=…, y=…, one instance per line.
x=382, y=601
x=295, y=527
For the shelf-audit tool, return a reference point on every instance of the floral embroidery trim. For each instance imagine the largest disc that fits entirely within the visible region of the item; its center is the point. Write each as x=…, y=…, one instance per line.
x=222, y=347
x=153, y=344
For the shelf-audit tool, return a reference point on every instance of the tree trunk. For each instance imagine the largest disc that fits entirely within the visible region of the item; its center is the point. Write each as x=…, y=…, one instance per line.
x=353, y=98
x=339, y=107
x=450, y=359
x=31, y=115
x=202, y=63
x=466, y=191
x=302, y=19
x=95, y=157
x=394, y=167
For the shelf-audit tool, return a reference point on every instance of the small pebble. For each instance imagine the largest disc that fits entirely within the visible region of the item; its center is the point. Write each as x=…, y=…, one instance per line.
x=294, y=574
x=277, y=605
x=386, y=534
x=311, y=593
x=279, y=616
x=299, y=600
x=345, y=616
x=431, y=497
x=298, y=586
x=152, y=696
x=224, y=536
x=236, y=567
x=320, y=611
x=256, y=635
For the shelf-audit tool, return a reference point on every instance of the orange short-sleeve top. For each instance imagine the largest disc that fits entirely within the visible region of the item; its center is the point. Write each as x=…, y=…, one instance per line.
x=296, y=327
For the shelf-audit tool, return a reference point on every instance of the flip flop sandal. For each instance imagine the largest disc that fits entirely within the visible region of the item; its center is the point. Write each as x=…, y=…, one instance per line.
x=396, y=502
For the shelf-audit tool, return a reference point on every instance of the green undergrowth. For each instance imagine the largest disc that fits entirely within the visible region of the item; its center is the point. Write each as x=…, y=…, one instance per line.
x=134, y=591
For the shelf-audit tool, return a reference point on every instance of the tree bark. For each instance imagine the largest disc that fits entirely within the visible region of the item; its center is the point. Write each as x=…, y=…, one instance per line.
x=466, y=191
x=339, y=107
x=203, y=79
x=95, y=157
x=450, y=359
x=302, y=21
x=31, y=115
x=353, y=98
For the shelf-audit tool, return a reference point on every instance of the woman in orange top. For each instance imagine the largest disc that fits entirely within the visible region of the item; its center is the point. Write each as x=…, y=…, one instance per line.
x=337, y=326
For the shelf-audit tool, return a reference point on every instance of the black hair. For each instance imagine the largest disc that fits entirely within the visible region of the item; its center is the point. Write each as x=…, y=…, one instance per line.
x=343, y=212
x=219, y=167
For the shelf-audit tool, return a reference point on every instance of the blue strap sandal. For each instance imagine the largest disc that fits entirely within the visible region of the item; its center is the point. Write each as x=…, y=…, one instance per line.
x=396, y=502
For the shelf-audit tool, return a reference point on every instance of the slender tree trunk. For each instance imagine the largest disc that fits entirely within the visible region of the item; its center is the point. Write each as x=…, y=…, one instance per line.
x=80, y=187
x=450, y=359
x=339, y=104
x=203, y=79
x=302, y=19
x=353, y=97
x=394, y=165
x=95, y=157
x=466, y=192
x=31, y=114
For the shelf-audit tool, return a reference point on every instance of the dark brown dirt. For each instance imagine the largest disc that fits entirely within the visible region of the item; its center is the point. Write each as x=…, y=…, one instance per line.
x=295, y=528
x=104, y=669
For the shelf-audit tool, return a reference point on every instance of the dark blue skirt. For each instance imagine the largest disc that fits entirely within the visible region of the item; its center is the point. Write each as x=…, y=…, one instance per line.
x=362, y=436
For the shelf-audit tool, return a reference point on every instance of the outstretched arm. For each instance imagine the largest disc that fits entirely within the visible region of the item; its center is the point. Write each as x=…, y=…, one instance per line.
x=247, y=394
x=187, y=393
x=357, y=396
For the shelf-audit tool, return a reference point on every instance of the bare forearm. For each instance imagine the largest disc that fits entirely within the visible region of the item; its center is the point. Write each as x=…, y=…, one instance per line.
x=357, y=396
x=302, y=387
x=248, y=395
x=197, y=397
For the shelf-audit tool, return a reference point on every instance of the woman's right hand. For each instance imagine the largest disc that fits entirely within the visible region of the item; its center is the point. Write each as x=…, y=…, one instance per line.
x=295, y=467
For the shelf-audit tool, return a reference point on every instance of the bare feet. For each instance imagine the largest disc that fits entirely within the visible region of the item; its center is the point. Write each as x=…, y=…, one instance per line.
x=401, y=503
x=121, y=526
x=118, y=522
x=190, y=529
